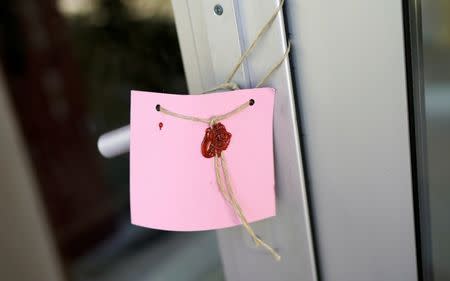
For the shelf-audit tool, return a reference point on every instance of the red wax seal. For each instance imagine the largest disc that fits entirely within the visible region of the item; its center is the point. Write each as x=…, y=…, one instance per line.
x=215, y=141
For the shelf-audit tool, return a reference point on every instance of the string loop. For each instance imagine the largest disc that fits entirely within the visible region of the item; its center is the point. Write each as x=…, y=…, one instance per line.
x=229, y=84
x=259, y=35
x=232, y=86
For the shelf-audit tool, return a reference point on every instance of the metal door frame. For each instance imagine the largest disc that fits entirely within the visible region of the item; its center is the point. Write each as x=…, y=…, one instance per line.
x=210, y=46
x=353, y=99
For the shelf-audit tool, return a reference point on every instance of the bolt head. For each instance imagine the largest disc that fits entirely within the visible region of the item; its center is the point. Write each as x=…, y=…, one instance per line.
x=218, y=9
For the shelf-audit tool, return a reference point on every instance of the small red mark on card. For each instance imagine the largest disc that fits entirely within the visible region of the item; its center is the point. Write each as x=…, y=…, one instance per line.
x=160, y=125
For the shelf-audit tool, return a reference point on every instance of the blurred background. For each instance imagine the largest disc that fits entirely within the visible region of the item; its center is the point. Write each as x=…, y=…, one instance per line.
x=436, y=69
x=66, y=71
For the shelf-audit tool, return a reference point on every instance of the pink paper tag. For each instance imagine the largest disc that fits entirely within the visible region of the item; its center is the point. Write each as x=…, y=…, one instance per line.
x=173, y=187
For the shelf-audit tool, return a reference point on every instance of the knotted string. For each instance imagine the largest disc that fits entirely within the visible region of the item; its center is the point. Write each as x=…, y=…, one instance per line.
x=220, y=164
x=221, y=170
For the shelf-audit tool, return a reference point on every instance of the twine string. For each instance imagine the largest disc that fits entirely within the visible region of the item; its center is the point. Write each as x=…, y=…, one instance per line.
x=220, y=165
x=229, y=84
x=238, y=210
x=210, y=121
x=275, y=66
x=221, y=170
x=259, y=35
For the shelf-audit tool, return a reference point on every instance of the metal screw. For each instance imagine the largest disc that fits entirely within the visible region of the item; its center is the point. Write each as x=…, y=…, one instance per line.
x=218, y=10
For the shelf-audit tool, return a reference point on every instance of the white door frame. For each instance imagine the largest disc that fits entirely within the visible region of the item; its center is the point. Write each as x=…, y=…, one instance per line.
x=352, y=88
x=210, y=46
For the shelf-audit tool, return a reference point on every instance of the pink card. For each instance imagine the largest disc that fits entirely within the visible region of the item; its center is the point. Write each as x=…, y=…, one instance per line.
x=173, y=186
